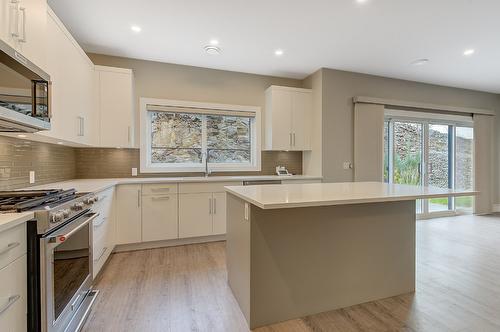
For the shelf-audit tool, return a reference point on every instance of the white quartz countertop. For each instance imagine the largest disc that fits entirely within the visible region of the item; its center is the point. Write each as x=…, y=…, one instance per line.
x=322, y=194
x=97, y=185
x=8, y=220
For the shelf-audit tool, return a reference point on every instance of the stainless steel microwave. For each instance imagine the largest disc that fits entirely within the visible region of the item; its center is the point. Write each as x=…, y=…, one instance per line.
x=24, y=93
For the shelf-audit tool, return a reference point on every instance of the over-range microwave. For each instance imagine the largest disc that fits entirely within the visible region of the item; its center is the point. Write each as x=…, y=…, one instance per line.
x=24, y=93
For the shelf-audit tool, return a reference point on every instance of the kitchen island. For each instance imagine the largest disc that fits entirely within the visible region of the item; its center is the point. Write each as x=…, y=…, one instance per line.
x=300, y=249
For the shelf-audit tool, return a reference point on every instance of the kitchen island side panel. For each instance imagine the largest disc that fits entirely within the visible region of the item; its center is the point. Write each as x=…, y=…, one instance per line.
x=238, y=252
x=315, y=259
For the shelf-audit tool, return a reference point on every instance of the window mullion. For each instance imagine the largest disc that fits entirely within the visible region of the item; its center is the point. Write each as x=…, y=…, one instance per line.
x=204, y=139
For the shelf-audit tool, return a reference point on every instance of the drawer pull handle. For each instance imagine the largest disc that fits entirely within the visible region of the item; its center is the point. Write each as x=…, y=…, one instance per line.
x=10, y=247
x=160, y=189
x=100, y=224
x=101, y=254
x=9, y=303
x=160, y=198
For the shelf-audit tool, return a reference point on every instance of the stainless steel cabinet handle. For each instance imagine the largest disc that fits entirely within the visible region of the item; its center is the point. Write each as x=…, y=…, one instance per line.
x=209, y=206
x=101, y=254
x=23, y=38
x=290, y=139
x=9, y=303
x=9, y=247
x=138, y=198
x=293, y=139
x=215, y=205
x=160, y=198
x=160, y=189
x=14, y=12
x=80, y=126
x=101, y=223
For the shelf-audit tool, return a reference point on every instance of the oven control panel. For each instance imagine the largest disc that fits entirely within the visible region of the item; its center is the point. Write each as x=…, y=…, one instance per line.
x=51, y=218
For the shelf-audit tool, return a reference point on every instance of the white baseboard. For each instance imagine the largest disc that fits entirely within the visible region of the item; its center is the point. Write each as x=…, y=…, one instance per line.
x=168, y=243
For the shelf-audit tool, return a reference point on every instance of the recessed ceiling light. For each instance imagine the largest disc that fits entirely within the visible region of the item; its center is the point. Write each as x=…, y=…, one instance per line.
x=214, y=42
x=361, y=1
x=135, y=28
x=469, y=52
x=278, y=52
x=420, y=62
x=213, y=50
x=21, y=136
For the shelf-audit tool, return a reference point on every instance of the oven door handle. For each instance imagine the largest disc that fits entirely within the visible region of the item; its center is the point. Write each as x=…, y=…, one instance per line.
x=63, y=237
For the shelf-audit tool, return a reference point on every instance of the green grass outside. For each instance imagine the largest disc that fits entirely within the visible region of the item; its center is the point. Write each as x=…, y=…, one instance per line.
x=462, y=202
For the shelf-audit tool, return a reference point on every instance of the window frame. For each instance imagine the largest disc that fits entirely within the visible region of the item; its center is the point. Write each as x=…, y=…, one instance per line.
x=145, y=139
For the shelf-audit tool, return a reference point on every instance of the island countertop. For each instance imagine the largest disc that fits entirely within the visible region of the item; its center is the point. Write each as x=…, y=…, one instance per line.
x=323, y=194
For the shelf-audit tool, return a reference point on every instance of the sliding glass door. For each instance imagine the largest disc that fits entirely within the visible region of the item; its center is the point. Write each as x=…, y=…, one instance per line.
x=430, y=153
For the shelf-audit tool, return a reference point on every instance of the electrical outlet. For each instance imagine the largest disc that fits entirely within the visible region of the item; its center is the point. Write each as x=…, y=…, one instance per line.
x=134, y=171
x=32, y=176
x=347, y=165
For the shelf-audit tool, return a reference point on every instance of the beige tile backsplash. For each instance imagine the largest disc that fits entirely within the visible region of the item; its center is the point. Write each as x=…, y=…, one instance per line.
x=52, y=163
x=109, y=163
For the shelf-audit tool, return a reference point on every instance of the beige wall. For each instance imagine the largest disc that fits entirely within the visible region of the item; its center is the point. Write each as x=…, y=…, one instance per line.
x=339, y=87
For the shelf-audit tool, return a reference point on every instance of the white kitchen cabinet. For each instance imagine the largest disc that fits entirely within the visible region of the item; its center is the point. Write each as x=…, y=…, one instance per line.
x=287, y=118
x=13, y=279
x=219, y=213
x=103, y=229
x=159, y=217
x=128, y=214
x=116, y=106
x=74, y=112
x=23, y=27
x=195, y=215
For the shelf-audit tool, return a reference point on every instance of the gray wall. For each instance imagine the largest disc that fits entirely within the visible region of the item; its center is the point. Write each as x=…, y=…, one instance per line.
x=338, y=89
x=171, y=81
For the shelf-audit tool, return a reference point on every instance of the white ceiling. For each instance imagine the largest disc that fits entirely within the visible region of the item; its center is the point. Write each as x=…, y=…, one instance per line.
x=380, y=37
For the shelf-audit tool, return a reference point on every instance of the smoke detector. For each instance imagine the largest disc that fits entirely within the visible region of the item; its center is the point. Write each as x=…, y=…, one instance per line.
x=212, y=49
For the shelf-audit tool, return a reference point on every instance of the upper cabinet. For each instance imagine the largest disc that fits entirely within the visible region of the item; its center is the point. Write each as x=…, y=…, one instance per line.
x=75, y=116
x=287, y=118
x=116, y=106
x=23, y=27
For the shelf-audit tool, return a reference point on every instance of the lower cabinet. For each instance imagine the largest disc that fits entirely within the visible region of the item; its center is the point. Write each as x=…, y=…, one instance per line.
x=219, y=214
x=103, y=229
x=128, y=214
x=159, y=217
x=195, y=214
x=202, y=214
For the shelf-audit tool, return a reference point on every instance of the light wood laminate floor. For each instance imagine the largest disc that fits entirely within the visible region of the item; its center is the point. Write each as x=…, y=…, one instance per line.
x=185, y=289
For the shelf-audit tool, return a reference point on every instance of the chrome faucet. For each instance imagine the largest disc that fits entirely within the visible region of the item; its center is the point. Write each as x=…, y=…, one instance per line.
x=207, y=171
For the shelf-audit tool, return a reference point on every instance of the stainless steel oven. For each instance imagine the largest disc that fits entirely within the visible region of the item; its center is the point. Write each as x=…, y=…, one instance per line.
x=66, y=274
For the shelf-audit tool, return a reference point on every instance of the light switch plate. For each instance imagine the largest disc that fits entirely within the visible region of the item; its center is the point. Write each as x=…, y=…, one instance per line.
x=32, y=176
x=134, y=171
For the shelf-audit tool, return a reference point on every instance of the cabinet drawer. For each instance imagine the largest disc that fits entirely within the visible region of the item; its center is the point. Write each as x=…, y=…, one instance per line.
x=210, y=187
x=12, y=244
x=105, y=198
x=159, y=188
x=100, y=227
x=13, y=284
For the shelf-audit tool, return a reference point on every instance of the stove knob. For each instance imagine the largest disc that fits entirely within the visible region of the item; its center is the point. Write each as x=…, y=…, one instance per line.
x=96, y=199
x=66, y=213
x=58, y=216
x=90, y=200
x=77, y=206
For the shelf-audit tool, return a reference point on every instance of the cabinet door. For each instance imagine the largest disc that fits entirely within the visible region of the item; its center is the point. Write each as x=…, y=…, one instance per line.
x=195, y=215
x=281, y=104
x=159, y=217
x=128, y=214
x=219, y=213
x=115, y=107
x=32, y=38
x=301, y=106
x=8, y=14
x=13, y=289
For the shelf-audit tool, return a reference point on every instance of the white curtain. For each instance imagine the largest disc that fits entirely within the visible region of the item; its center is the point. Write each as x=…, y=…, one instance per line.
x=368, y=142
